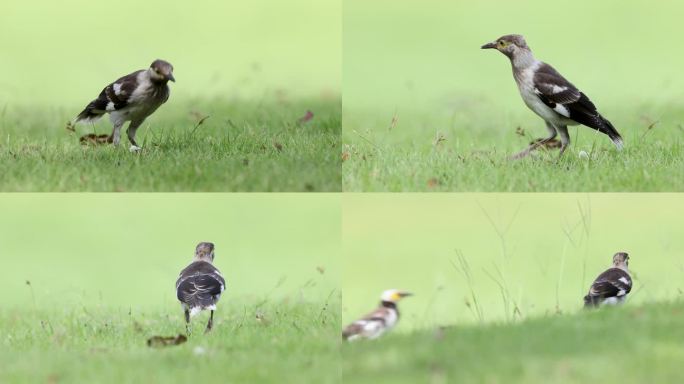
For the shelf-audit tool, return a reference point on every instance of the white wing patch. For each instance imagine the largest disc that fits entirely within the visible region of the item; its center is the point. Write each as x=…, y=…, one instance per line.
x=624, y=280
x=117, y=88
x=558, y=89
x=562, y=110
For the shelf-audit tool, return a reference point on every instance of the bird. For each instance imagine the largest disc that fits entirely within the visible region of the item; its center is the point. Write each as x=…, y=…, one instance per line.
x=133, y=98
x=200, y=285
x=612, y=286
x=548, y=94
x=381, y=320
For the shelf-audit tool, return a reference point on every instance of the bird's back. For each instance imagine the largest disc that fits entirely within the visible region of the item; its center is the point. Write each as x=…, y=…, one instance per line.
x=614, y=282
x=200, y=284
x=373, y=324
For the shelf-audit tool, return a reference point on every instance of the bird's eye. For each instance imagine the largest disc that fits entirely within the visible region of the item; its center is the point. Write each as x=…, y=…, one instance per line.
x=501, y=43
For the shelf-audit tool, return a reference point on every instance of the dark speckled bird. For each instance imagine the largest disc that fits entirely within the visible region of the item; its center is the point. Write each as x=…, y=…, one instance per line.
x=133, y=98
x=548, y=94
x=200, y=285
x=612, y=286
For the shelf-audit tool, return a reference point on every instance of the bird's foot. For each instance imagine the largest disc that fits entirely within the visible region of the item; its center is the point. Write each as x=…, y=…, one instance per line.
x=207, y=330
x=546, y=143
x=524, y=153
x=135, y=148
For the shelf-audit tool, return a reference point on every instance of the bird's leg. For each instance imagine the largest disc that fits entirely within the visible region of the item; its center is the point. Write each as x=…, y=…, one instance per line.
x=210, y=323
x=545, y=141
x=551, y=136
x=537, y=143
x=187, y=322
x=116, y=133
x=132, y=128
x=565, y=138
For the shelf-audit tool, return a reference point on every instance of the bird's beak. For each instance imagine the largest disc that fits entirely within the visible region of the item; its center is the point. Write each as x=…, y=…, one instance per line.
x=170, y=77
x=489, y=46
x=405, y=294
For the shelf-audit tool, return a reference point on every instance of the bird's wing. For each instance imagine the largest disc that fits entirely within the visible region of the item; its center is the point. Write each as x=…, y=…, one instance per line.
x=368, y=326
x=380, y=314
x=612, y=283
x=200, y=284
x=563, y=97
x=116, y=95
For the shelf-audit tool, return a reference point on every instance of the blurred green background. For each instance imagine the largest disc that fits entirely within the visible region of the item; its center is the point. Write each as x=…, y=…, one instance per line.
x=123, y=251
x=61, y=53
x=424, y=55
x=544, y=249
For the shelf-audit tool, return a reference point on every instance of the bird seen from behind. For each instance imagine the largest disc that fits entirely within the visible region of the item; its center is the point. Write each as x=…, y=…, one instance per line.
x=200, y=285
x=612, y=286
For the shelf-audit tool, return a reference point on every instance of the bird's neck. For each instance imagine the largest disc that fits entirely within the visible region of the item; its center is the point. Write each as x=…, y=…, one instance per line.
x=155, y=79
x=388, y=304
x=203, y=258
x=621, y=266
x=523, y=59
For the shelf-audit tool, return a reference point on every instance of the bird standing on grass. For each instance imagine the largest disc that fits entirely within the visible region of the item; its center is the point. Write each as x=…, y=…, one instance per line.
x=612, y=286
x=384, y=318
x=132, y=98
x=200, y=285
x=550, y=95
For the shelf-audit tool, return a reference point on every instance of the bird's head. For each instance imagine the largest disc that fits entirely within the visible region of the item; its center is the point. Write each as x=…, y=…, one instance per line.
x=621, y=260
x=394, y=295
x=161, y=71
x=509, y=45
x=205, y=252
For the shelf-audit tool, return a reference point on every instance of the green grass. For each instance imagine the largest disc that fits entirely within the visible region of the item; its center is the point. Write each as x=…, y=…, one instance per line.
x=470, y=152
x=242, y=146
x=276, y=341
x=632, y=344
x=456, y=108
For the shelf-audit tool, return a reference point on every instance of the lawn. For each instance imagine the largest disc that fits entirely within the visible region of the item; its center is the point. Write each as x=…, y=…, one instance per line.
x=632, y=344
x=89, y=278
x=469, y=154
x=425, y=109
x=240, y=146
x=266, y=341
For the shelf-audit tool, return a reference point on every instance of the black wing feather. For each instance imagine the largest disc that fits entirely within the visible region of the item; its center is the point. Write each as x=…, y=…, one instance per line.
x=98, y=107
x=608, y=284
x=199, y=285
x=581, y=109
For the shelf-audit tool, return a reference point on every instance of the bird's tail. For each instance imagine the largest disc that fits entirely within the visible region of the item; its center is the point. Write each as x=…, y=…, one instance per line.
x=194, y=311
x=92, y=112
x=590, y=301
x=609, y=129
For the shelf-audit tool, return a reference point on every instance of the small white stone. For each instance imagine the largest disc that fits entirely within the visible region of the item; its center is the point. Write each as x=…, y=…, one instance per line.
x=583, y=155
x=134, y=148
x=199, y=351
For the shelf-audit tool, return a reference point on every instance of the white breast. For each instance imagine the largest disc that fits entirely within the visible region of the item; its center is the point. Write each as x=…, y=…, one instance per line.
x=525, y=81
